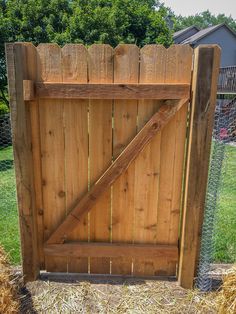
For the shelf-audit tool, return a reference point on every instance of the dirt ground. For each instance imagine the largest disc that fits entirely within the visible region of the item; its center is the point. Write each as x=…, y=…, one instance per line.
x=98, y=294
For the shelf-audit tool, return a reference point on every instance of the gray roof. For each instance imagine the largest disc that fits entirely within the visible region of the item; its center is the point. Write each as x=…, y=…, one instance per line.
x=182, y=31
x=204, y=32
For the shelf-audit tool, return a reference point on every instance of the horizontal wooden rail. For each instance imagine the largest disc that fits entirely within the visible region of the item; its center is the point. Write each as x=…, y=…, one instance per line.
x=83, y=249
x=83, y=206
x=104, y=91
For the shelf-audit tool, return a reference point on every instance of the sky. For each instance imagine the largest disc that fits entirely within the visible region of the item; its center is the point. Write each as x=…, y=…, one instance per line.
x=191, y=7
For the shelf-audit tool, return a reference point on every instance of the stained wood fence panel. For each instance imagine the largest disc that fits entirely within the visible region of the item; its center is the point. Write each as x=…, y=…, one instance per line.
x=74, y=60
x=71, y=142
x=147, y=165
x=126, y=70
x=51, y=112
x=100, y=69
x=178, y=69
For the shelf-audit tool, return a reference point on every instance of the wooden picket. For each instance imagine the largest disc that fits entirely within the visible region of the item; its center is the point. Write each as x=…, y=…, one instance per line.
x=99, y=138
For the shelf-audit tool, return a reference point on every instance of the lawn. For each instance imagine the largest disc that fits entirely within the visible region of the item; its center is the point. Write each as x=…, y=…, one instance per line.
x=225, y=237
x=225, y=250
x=9, y=230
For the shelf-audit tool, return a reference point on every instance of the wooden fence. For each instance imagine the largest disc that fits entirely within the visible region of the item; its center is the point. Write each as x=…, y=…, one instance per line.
x=227, y=80
x=111, y=152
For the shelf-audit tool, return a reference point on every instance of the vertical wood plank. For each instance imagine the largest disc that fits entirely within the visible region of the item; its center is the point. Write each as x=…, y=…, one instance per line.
x=53, y=149
x=147, y=164
x=100, y=69
x=74, y=63
x=126, y=70
x=23, y=159
x=31, y=59
x=178, y=69
x=204, y=86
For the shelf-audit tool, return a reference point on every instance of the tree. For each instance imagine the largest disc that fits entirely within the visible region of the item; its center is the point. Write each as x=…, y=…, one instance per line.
x=115, y=21
x=30, y=20
x=203, y=20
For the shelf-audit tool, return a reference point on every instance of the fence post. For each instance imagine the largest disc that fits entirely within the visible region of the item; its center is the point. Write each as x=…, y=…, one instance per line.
x=22, y=144
x=204, y=86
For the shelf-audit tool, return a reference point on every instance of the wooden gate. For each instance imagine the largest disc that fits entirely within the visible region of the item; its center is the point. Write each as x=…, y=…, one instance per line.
x=103, y=168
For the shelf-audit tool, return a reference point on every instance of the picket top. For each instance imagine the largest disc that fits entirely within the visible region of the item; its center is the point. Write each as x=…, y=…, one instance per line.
x=67, y=82
x=45, y=50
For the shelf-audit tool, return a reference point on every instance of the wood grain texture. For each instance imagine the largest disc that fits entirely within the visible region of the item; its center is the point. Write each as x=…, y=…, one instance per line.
x=147, y=164
x=74, y=69
x=204, y=85
x=126, y=69
x=178, y=69
x=105, y=91
x=119, y=166
x=29, y=89
x=115, y=250
x=31, y=60
x=100, y=69
x=21, y=136
x=52, y=149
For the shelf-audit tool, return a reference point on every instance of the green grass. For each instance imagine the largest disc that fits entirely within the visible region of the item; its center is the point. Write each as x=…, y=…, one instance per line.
x=225, y=250
x=225, y=239
x=9, y=230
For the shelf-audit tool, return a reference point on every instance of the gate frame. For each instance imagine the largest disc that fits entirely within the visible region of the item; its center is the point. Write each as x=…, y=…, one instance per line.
x=202, y=105
x=202, y=111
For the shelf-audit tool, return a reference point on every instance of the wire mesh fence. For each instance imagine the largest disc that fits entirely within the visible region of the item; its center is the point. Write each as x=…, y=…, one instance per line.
x=9, y=230
x=218, y=243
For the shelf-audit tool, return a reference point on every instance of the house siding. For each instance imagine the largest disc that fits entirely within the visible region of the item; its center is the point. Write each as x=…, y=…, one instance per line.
x=226, y=40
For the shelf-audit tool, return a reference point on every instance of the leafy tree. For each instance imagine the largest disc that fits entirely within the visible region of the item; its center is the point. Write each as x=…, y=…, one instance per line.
x=203, y=20
x=30, y=20
x=115, y=21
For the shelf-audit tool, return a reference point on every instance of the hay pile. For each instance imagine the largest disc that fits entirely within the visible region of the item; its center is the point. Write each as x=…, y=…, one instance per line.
x=8, y=294
x=131, y=296
x=102, y=295
x=227, y=295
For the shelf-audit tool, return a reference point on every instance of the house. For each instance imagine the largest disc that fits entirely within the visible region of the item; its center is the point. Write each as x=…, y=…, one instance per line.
x=185, y=33
x=220, y=34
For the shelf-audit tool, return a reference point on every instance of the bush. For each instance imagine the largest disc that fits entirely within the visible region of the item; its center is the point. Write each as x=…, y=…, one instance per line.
x=3, y=108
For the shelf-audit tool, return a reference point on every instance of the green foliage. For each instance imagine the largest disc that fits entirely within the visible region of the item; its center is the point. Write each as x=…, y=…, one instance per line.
x=105, y=21
x=203, y=20
x=116, y=21
x=3, y=108
x=3, y=38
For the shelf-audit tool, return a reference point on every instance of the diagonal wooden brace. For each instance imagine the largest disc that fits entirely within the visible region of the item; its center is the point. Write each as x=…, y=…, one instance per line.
x=83, y=206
